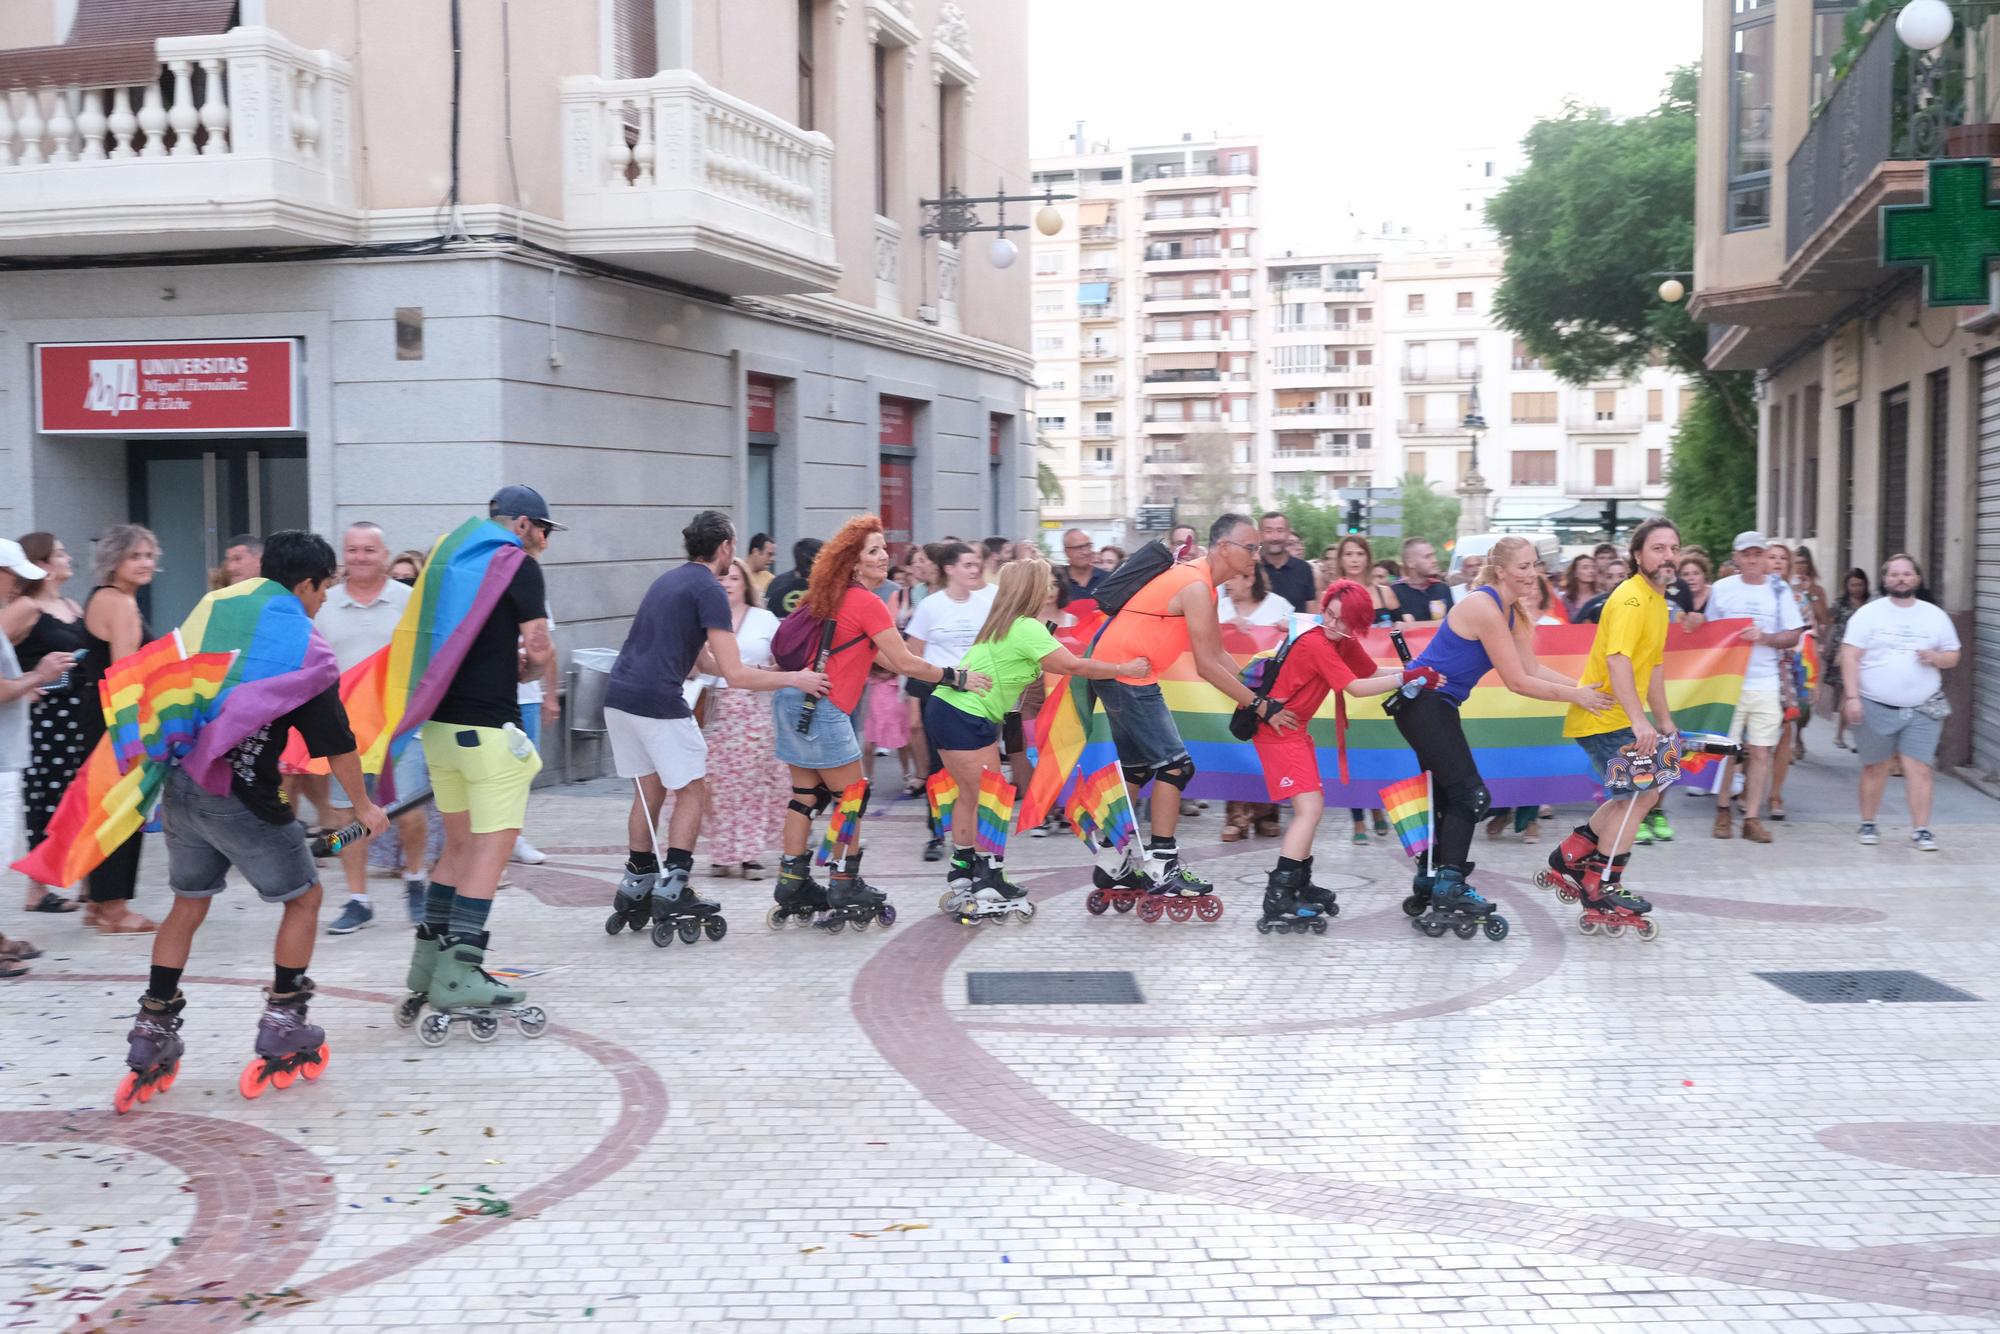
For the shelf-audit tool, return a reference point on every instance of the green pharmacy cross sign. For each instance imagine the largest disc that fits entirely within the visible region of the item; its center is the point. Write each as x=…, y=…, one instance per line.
x=1953, y=235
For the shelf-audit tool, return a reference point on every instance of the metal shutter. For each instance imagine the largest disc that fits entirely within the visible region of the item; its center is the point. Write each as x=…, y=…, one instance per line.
x=634, y=46
x=1986, y=576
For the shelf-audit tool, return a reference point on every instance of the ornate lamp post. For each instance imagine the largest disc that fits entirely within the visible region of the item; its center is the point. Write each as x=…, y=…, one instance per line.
x=956, y=215
x=1472, y=488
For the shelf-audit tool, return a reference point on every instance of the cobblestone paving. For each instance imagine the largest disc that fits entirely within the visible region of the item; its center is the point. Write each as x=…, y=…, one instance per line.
x=783, y=1131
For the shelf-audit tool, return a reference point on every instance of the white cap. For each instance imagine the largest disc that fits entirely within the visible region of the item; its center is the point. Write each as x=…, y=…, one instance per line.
x=16, y=560
x=1749, y=540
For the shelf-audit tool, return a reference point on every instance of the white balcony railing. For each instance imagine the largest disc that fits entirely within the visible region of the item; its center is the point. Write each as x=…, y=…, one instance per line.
x=242, y=138
x=673, y=177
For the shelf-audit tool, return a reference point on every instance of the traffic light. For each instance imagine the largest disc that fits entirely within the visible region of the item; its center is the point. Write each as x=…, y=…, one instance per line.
x=1610, y=517
x=1356, y=516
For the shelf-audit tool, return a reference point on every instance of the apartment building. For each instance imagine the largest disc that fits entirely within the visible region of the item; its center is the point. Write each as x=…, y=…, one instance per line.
x=1318, y=427
x=271, y=263
x=1878, y=415
x=1145, y=317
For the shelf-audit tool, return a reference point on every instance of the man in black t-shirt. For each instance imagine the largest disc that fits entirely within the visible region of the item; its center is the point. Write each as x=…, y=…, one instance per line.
x=1420, y=594
x=482, y=765
x=782, y=598
x=1289, y=577
x=207, y=834
x=1081, y=554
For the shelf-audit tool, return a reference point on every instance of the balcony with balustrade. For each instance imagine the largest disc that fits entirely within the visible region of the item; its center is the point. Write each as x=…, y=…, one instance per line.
x=1322, y=417
x=1445, y=374
x=1436, y=430
x=1098, y=391
x=241, y=138
x=1606, y=423
x=670, y=176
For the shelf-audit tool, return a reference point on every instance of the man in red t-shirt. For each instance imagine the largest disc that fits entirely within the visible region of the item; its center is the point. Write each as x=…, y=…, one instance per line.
x=1320, y=662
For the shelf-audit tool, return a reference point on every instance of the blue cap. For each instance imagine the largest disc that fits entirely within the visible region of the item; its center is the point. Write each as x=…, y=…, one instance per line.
x=522, y=502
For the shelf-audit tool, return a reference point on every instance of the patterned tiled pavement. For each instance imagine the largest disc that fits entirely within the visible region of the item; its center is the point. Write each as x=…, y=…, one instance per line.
x=791, y=1132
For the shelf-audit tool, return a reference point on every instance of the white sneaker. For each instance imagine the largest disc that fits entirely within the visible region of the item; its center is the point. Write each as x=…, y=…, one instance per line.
x=1869, y=836
x=1925, y=841
x=527, y=853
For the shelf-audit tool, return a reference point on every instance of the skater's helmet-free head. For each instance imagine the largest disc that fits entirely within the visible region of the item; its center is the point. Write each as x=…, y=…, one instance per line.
x=1349, y=604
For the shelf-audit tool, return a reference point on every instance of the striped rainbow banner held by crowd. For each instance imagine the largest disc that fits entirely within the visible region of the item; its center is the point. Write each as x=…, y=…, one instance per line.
x=389, y=694
x=1408, y=807
x=996, y=813
x=1517, y=742
x=245, y=656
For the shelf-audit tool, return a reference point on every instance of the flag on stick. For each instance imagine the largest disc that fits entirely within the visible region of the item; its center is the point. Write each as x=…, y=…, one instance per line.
x=1408, y=806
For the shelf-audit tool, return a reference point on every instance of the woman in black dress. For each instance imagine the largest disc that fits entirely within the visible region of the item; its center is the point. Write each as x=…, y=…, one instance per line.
x=124, y=561
x=39, y=622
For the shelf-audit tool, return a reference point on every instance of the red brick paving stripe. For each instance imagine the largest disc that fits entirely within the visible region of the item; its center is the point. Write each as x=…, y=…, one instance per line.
x=898, y=998
x=1745, y=910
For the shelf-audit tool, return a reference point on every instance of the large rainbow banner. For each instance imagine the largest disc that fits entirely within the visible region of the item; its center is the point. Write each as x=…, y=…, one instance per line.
x=1517, y=742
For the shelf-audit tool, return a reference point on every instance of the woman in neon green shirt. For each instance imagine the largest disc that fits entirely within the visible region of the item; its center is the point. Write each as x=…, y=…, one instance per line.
x=1013, y=648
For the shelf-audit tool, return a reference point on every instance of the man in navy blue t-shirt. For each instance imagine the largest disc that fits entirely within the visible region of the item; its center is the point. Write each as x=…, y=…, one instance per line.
x=1081, y=554
x=655, y=740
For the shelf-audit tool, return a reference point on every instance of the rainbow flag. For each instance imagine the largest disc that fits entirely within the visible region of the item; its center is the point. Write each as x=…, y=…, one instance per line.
x=1518, y=743
x=1408, y=807
x=246, y=655
x=843, y=827
x=1100, y=811
x=390, y=694
x=996, y=813
x=941, y=791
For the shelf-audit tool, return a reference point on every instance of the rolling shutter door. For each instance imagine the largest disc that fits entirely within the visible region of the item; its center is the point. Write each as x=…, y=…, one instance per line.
x=1986, y=576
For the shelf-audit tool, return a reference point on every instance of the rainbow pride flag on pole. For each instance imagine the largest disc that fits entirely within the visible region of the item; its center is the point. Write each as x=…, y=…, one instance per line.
x=1408, y=807
x=996, y=813
x=941, y=791
x=246, y=655
x=843, y=827
x=1100, y=811
x=390, y=694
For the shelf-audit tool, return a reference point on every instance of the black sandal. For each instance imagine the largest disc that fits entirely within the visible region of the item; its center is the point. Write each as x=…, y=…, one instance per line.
x=55, y=903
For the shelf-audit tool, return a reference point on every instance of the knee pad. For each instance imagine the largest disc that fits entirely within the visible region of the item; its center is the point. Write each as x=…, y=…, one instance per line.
x=823, y=797
x=1471, y=796
x=1179, y=773
x=808, y=808
x=1136, y=775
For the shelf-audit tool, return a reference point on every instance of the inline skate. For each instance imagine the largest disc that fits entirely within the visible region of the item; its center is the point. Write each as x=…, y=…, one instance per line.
x=632, y=905
x=1609, y=907
x=1422, y=885
x=850, y=899
x=1323, y=899
x=462, y=991
x=994, y=898
x=1457, y=907
x=154, y=1054
x=1286, y=907
x=961, y=880
x=677, y=909
x=797, y=897
x=287, y=1046
x=1157, y=883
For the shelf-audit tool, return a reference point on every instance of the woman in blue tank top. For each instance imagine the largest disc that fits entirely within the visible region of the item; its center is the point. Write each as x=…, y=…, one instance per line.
x=1488, y=631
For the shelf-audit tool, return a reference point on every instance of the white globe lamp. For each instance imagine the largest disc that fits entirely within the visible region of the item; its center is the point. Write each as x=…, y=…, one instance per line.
x=1004, y=253
x=1048, y=220
x=1925, y=25
x=1672, y=290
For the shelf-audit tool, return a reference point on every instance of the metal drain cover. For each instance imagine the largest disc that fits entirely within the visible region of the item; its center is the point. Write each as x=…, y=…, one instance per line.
x=1053, y=989
x=1858, y=988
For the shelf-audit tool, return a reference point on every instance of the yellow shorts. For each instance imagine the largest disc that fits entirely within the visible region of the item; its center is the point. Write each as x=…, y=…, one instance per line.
x=473, y=770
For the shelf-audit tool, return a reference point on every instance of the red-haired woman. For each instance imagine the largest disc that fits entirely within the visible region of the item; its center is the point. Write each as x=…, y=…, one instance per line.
x=825, y=756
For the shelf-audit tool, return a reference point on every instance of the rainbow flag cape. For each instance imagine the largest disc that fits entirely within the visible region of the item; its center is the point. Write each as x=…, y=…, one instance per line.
x=391, y=693
x=1100, y=811
x=843, y=827
x=941, y=793
x=1518, y=743
x=1408, y=807
x=996, y=813
x=246, y=655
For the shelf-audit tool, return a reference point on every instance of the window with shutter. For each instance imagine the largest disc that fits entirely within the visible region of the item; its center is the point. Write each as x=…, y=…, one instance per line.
x=634, y=40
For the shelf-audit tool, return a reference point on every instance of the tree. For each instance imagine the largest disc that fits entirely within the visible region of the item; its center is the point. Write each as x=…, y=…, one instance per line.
x=1426, y=514
x=1601, y=208
x=1046, y=482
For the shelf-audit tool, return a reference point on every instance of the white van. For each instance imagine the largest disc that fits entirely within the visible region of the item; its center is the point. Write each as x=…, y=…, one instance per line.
x=1547, y=548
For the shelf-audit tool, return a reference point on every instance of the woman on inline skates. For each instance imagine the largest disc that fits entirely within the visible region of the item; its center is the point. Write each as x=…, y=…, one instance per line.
x=1491, y=629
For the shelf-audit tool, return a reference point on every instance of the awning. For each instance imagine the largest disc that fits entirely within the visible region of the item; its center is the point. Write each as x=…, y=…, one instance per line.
x=1590, y=511
x=1093, y=294
x=111, y=43
x=1184, y=361
x=1093, y=213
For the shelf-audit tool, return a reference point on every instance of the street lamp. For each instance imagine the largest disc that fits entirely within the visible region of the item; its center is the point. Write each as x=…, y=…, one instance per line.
x=1472, y=488
x=1672, y=290
x=1925, y=25
x=953, y=216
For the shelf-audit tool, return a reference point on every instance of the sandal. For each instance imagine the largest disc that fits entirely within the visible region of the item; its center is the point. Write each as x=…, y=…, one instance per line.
x=1775, y=808
x=129, y=924
x=18, y=950
x=53, y=902
x=9, y=969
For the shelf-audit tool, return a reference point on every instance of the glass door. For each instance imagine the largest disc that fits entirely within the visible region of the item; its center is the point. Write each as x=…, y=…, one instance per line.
x=195, y=496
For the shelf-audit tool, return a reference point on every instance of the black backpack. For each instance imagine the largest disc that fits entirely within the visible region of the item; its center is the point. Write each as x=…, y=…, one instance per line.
x=1142, y=567
x=1262, y=677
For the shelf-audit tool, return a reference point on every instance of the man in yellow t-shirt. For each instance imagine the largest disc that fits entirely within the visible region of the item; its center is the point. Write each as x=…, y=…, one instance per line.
x=1625, y=659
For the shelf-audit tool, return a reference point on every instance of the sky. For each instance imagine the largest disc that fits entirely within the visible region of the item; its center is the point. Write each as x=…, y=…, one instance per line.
x=1365, y=107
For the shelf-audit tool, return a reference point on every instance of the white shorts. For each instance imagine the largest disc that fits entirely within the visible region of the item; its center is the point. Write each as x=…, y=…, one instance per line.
x=673, y=748
x=1759, y=718
x=12, y=832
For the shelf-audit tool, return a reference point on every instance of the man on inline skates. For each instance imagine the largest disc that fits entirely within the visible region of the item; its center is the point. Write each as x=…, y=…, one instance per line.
x=1626, y=657
x=1174, y=613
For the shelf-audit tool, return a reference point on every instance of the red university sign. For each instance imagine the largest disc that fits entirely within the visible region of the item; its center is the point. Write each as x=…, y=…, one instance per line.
x=190, y=388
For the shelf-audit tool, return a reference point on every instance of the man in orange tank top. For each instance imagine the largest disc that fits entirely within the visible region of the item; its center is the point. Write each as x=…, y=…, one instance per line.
x=1172, y=615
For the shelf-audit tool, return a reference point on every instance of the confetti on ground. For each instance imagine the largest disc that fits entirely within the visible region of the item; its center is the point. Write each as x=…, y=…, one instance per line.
x=808, y=1250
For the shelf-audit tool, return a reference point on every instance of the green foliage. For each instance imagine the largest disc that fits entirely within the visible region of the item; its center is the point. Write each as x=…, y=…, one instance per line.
x=1601, y=207
x=1712, y=480
x=1426, y=514
x=1046, y=482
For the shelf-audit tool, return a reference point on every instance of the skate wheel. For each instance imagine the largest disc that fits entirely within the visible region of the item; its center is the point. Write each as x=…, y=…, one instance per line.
x=1614, y=929
x=1122, y=905
x=1647, y=929
x=663, y=934
x=833, y=925
x=1414, y=906
x=689, y=930
x=484, y=1030
x=1180, y=910
x=252, y=1082
x=532, y=1021
x=1545, y=879
x=861, y=923
x=1586, y=924
x=1496, y=928
x=314, y=1068
x=146, y=1092
x=714, y=928
x=1096, y=904
x=166, y=1081
x=127, y=1095
x=1150, y=909
x=1331, y=910
x=946, y=899
x=1319, y=926
x=283, y=1079
x=886, y=914
x=434, y=1030
x=614, y=924
x=1208, y=908
x=1564, y=894
x=1265, y=928
x=1027, y=913
x=1432, y=927
x=408, y=1010
x=1465, y=930
x=775, y=917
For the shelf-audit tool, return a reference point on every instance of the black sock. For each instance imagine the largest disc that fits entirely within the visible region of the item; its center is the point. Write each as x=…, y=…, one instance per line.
x=165, y=983
x=683, y=858
x=1162, y=847
x=642, y=863
x=1287, y=864
x=285, y=980
x=437, y=906
x=468, y=916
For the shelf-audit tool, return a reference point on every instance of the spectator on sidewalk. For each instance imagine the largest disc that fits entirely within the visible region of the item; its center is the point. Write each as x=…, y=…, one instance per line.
x=1753, y=595
x=1081, y=577
x=783, y=594
x=1288, y=575
x=757, y=561
x=1892, y=661
x=1420, y=594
